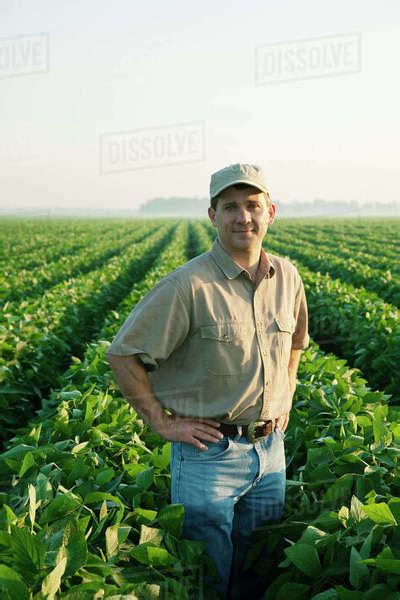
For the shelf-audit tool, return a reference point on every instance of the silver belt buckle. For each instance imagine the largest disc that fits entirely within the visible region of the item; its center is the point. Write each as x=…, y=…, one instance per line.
x=251, y=433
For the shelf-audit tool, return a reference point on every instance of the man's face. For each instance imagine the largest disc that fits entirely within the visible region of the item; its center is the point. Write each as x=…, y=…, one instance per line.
x=241, y=219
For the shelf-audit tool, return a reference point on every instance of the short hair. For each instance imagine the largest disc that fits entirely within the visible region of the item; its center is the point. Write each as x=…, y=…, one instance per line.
x=238, y=186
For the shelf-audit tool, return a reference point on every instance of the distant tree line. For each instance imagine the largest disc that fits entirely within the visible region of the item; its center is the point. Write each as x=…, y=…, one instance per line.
x=175, y=205
x=197, y=207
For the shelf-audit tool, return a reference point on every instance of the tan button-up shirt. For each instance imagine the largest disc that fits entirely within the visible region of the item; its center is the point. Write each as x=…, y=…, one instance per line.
x=217, y=345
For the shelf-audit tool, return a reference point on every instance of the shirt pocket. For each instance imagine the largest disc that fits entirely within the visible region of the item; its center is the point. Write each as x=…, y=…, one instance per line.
x=285, y=327
x=225, y=349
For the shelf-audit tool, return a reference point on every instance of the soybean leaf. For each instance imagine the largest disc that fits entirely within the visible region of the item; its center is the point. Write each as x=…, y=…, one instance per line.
x=115, y=535
x=145, y=478
x=12, y=584
x=149, y=554
x=28, y=552
x=379, y=513
x=358, y=574
x=98, y=497
x=27, y=463
x=190, y=551
x=32, y=504
x=150, y=534
x=356, y=509
x=305, y=558
x=387, y=565
x=75, y=547
x=52, y=582
x=366, y=546
x=312, y=534
x=171, y=518
x=62, y=505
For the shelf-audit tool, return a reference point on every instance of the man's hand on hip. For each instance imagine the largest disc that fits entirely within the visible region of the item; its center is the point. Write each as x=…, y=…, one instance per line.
x=190, y=430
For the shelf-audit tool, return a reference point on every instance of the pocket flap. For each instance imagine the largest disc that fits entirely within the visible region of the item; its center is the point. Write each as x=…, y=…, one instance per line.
x=286, y=324
x=220, y=332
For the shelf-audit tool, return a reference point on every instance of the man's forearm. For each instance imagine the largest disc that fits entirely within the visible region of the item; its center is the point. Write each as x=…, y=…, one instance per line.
x=132, y=380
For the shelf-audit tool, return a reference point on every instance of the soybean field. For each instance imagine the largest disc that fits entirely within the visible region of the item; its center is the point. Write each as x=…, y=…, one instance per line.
x=85, y=508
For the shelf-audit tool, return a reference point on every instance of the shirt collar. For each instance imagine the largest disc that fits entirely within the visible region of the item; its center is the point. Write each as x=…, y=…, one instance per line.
x=231, y=269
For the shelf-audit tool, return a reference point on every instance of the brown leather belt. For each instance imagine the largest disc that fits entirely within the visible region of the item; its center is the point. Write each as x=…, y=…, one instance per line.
x=253, y=431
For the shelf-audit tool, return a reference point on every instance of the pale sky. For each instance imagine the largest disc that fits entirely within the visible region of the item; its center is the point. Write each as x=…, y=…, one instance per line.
x=132, y=100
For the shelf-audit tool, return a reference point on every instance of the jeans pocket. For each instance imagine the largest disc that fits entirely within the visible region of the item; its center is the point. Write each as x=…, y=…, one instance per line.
x=214, y=450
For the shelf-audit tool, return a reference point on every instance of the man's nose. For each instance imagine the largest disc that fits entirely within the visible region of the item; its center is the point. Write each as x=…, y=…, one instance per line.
x=243, y=215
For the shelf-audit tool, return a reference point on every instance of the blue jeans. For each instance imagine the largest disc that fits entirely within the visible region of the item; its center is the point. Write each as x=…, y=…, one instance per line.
x=228, y=491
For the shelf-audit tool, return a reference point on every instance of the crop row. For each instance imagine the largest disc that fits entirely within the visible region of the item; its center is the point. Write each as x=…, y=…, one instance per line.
x=88, y=508
x=350, y=270
x=38, y=336
x=83, y=468
x=16, y=284
x=358, y=325
x=370, y=258
x=199, y=238
x=30, y=244
x=376, y=256
x=368, y=230
x=346, y=237
x=339, y=536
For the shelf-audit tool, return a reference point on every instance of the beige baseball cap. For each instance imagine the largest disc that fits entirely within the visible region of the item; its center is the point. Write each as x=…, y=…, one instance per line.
x=237, y=173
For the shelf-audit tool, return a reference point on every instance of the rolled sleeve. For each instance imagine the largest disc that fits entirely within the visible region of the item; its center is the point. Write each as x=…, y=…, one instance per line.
x=300, y=338
x=157, y=326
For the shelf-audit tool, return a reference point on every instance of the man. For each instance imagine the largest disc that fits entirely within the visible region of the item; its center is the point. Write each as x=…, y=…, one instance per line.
x=209, y=359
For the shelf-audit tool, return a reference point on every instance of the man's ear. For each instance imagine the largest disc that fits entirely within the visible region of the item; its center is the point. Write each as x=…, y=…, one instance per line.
x=271, y=213
x=211, y=214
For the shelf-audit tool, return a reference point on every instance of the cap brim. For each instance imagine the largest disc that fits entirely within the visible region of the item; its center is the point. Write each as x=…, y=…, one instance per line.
x=249, y=183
